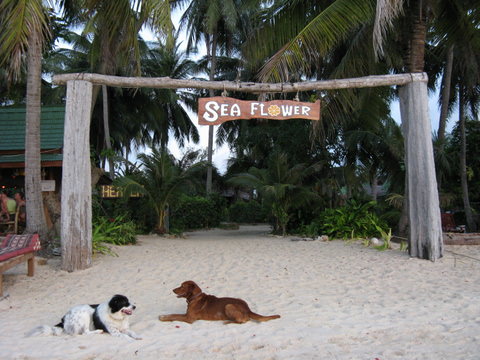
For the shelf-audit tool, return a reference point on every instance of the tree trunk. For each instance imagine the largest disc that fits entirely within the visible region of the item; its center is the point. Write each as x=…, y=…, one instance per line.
x=415, y=54
x=445, y=101
x=403, y=221
x=213, y=61
x=446, y=85
x=106, y=130
x=161, y=229
x=374, y=185
x=414, y=63
x=33, y=177
x=76, y=179
x=425, y=235
x=471, y=227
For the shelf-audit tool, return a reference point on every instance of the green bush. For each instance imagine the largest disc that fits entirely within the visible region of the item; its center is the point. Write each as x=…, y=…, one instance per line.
x=246, y=212
x=115, y=231
x=197, y=212
x=313, y=229
x=350, y=221
x=136, y=209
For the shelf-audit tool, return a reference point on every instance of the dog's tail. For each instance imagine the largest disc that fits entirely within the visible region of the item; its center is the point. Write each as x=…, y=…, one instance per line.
x=45, y=330
x=258, y=317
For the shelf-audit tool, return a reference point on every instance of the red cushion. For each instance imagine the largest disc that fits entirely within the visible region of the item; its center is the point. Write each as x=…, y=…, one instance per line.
x=14, y=245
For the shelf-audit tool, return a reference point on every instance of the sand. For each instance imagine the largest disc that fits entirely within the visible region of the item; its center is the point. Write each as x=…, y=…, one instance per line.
x=337, y=300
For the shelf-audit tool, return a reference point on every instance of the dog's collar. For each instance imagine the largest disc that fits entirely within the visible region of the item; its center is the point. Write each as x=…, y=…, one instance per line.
x=194, y=297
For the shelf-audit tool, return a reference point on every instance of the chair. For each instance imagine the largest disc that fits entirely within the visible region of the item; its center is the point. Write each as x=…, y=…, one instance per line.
x=448, y=223
x=12, y=225
x=16, y=249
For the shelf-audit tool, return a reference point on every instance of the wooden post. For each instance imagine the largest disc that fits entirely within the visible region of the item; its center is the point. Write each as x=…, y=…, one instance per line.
x=76, y=231
x=425, y=231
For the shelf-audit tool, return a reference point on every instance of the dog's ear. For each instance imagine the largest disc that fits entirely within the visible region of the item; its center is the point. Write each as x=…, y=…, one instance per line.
x=194, y=289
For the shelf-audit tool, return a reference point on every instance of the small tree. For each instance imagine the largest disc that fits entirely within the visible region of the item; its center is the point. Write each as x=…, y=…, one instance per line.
x=280, y=185
x=161, y=181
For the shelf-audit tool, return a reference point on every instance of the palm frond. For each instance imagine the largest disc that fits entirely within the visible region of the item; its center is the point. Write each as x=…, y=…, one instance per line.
x=18, y=21
x=386, y=12
x=332, y=25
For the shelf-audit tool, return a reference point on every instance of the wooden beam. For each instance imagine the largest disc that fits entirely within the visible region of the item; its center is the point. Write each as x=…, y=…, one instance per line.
x=21, y=165
x=76, y=228
x=250, y=87
x=425, y=232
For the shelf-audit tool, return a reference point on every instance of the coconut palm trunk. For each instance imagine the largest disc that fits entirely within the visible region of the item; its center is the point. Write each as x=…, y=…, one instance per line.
x=106, y=130
x=463, y=164
x=213, y=61
x=414, y=62
x=33, y=192
x=23, y=30
x=446, y=86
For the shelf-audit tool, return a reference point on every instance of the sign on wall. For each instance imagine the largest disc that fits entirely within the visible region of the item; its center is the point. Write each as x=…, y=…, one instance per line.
x=48, y=185
x=217, y=110
x=111, y=192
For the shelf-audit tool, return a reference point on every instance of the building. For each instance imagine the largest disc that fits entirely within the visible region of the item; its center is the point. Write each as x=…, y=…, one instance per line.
x=12, y=147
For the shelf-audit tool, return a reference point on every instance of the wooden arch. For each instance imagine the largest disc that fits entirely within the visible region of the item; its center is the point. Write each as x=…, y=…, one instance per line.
x=425, y=235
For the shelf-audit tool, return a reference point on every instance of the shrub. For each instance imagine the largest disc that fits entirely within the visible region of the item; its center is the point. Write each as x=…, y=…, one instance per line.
x=246, y=212
x=136, y=209
x=197, y=212
x=115, y=231
x=312, y=230
x=350, y=221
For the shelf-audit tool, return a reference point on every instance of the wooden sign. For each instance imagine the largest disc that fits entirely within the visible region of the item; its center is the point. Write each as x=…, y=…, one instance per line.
x=217, y=110
x=112, y=192
x=48, y=185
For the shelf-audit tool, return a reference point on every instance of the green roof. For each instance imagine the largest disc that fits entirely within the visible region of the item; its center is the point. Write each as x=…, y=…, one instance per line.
x=12, y=132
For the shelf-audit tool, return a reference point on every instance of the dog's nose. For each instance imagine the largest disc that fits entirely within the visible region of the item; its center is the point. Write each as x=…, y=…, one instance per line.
x=134, y=307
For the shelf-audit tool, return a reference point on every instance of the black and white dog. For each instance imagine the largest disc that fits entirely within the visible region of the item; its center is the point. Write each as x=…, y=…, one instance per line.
x=110, y=317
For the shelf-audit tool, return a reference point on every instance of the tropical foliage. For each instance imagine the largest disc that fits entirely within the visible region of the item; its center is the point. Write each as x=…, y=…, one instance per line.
x=280, y=186
x=197, y=212
x=301, y=176
x=116, y=231
x=353, y=220
x=161, y=181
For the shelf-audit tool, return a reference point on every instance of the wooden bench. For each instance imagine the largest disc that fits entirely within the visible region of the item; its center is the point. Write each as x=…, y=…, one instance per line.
x=15, y=249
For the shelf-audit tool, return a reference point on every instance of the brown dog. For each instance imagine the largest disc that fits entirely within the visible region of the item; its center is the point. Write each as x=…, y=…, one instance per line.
x=208, y=307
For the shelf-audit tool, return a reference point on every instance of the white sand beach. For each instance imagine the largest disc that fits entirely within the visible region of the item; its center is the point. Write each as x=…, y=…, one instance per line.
x=337, y=300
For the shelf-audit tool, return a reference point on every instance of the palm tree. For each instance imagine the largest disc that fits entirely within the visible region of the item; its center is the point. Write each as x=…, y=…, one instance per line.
x=280, y=185
x=162, y=181
x=461, y=79
x=168, y=60
x=211, y=21
x=114, y=27
x=24, y=28
x=373, y=142
x=295, y=43
x=143, y=117
x=465, y=98
x=338, y=19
